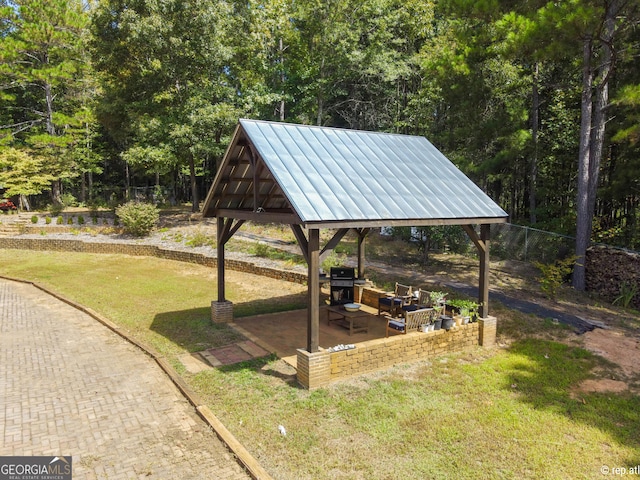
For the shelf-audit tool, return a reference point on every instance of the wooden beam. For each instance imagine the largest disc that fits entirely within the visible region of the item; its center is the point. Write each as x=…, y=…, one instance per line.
x=221, y=228
x=313, y=282
x=302, y=242
x=483, y=295
x=331, y=244
x=482, y=244
x=416, y=222
x=264, y=217
x=231, y=230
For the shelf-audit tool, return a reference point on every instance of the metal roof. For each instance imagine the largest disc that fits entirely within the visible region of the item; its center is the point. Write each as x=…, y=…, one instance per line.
x=338, y=177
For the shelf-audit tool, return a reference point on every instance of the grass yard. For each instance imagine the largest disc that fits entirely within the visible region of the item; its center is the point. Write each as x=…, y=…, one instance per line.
x=511, y=412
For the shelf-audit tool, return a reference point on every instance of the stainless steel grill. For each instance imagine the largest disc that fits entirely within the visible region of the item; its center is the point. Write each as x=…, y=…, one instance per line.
x=341, y=285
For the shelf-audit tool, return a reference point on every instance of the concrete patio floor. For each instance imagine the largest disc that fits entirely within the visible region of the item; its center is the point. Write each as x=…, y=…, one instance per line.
x=283, y=333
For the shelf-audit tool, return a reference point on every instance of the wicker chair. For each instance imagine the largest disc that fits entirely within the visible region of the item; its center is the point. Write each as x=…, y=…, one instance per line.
x=394, y=302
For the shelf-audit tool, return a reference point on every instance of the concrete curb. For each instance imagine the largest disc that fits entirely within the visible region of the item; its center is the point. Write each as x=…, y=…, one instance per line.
x=242, y=455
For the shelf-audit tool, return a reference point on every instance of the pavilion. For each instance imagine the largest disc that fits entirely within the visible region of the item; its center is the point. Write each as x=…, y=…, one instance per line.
x=314, y=178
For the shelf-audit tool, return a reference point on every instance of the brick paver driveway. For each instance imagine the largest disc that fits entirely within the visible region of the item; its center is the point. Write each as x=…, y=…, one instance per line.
x=70, y=386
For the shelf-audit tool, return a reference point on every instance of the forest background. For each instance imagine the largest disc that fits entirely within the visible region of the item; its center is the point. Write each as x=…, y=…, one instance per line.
x=538, y=102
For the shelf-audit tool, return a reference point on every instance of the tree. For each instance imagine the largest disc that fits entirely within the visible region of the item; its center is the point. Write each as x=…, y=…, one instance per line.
x=22, y=175
x=165, y=76
x=43, y=68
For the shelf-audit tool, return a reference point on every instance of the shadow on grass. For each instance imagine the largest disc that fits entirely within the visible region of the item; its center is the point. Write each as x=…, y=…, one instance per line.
x=552, y=371
x=262, y=366
x=193, y=330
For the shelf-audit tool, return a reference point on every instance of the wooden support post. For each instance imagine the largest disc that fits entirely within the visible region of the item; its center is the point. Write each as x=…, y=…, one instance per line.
x=220, y=257
x=483, y=294
x=313, y=315
x=303, y=243
x=482, y=244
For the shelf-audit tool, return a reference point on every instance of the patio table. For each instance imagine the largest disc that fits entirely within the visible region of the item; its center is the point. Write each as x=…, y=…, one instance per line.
x=355, y=322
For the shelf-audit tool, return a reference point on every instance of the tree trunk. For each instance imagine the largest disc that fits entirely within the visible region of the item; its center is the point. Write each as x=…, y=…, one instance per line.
x=127, y=176
x=24, y=203
x=282, y=78
x=533, y=169
x=195, y=207
x=83, y=187
x=583, y=219
x=593, y=139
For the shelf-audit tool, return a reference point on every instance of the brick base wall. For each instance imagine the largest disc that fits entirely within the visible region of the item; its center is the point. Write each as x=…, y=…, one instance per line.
x=488, y=327
x=222, y=312
x=313, y=369
x=319, y=369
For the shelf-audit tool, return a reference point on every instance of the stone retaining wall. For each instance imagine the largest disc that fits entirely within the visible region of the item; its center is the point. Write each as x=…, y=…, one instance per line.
x=66, y=245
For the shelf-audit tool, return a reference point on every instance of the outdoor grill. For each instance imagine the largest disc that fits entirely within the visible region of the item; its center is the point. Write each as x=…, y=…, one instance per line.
x=341, y=285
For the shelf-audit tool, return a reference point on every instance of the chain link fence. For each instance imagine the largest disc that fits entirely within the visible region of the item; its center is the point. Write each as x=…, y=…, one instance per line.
x=516, y=242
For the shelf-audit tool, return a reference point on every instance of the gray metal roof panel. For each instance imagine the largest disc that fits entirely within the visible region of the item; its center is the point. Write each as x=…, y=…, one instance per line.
x=331, y=174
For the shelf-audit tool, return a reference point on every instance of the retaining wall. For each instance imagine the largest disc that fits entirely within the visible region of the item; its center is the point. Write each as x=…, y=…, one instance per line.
x=67, y=245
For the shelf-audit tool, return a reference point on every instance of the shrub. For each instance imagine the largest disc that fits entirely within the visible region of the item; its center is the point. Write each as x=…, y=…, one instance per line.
x=199, y=239
x=47, y=220
x=59, y=220
x=628, y=291
x=70, y=221
x=138, y=219
x=56, y=209
x=554, y=274
x=34, y=219
x=80, y=220
x=261, y=250
x=68, y=200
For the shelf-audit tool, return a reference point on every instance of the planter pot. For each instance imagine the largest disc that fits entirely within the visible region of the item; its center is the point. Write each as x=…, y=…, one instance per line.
x=466, y=320
x=447, y=322
x=437, y=325
x=458, y=320
x=425, y=328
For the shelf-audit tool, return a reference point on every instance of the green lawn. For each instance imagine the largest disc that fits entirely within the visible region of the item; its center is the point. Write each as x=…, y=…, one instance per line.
x=483, y=414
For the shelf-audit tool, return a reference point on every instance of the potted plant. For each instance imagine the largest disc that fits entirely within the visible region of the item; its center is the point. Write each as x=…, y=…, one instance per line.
x=468, y=309
x=447, y=322
x=438, y=301
x=455, y=305
x=473, y=310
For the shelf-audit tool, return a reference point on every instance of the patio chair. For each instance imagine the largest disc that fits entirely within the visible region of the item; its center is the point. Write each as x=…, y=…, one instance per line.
x=411, y=321
x=422, y=300
x=393, y=302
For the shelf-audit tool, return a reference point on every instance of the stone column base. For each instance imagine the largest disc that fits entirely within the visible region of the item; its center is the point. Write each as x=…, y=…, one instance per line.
x=222, y=312
x=314, y=369
x=488, y=331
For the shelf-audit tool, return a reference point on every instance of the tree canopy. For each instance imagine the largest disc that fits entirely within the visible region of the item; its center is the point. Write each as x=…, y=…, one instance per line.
x=538, y=102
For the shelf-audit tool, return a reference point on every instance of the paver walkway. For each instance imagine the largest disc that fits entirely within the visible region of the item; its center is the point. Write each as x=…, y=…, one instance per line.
x=70, y=386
